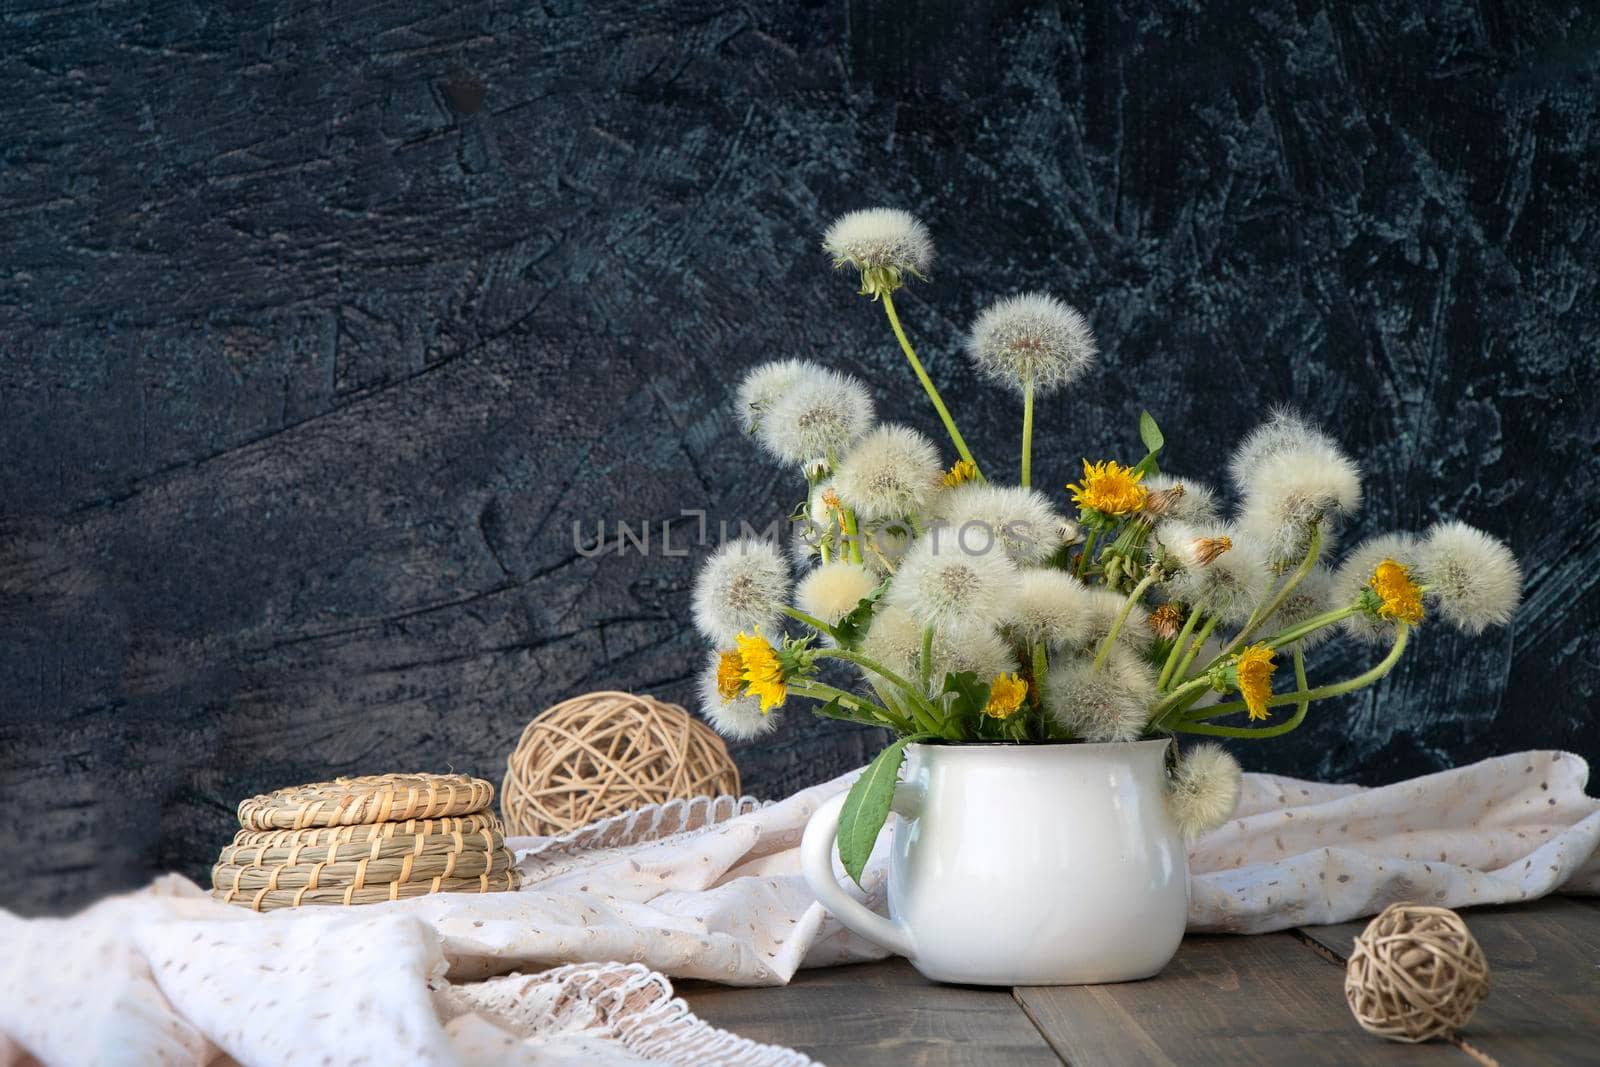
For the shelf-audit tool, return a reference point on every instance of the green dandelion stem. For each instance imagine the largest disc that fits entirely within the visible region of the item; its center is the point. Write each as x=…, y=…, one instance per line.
x=1104, y=652
x=1027, y=434
x=1264, y=611
x=1322, y=692
x=1177, y=650
x=927, y=384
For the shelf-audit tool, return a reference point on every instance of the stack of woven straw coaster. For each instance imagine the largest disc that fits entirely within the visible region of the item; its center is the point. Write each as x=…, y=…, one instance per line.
x=365, y=840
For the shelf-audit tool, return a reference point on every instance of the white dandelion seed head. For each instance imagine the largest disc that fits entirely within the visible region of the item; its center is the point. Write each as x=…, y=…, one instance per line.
x=1293, y=489
x=953, y=591
x=1031, y=338
x=744, y=584
x=739, y=718
x=763, y=385
x=1204, y=789
x=1354, y=574
x=820, y=413
x=833, y=590
x=1285, y=430
x=1197, y=505
x=895, y=640
x=1312, y=597
x=1052, y=608
x=983, y=653
x=1474, y=579
x=880, y=237
x=891, y=474
x=1101, y=610
x=1020, y=522
x=1230, y=585
x=1113, y=704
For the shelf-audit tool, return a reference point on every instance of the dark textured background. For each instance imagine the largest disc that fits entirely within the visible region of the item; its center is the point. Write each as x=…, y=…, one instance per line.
x=322, y=324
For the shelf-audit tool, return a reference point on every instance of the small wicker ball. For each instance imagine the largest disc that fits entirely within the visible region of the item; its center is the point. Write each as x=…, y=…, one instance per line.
x=1416, y=973
x=603, y=753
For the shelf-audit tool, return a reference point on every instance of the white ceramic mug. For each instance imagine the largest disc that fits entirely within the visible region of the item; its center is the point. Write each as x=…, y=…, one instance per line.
x=1045, y=864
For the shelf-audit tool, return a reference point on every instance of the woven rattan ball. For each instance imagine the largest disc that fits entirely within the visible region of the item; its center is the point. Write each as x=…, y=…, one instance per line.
x=1416, y=973
x=602, y=753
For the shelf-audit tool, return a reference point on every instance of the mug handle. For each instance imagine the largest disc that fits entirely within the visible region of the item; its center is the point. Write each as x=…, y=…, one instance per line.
x=816, y=863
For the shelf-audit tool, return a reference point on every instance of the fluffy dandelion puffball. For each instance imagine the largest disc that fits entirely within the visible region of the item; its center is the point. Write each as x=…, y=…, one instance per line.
x=891, y=474
x=1052, y=608
x=1312, y=597
x=880, y=238
x=743, y=585
x=1197, y=505
x=1293, y=489
x=895, y=640
x=1112, y=704
x=819, y=414
x=763, y=385
x=1354, y=576
x=954, y=591
x=1204, y=789
x=1031, y=339
x=1020, y=522
x=731, y=713
x=1284, y=431
x=1221, y=571
x=833, y=590
x=1474, y=579
x=1101, y=610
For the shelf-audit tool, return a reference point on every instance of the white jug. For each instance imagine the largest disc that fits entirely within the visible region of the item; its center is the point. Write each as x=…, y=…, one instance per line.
x=1023, y=864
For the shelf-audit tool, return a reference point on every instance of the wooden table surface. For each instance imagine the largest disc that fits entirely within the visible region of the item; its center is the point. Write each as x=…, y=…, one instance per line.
x=1266, y=999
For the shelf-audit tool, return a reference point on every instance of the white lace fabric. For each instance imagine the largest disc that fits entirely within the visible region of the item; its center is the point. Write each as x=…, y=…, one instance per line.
x=574, y=968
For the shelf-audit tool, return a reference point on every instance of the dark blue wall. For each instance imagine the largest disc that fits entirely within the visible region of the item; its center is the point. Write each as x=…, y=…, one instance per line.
x=320, y=325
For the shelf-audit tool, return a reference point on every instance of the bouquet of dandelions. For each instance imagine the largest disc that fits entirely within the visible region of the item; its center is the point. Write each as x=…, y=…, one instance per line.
x=977, y=612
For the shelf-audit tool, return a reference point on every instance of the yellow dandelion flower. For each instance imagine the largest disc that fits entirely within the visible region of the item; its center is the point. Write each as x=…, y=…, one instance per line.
x=730, y=674
x=1109, y=487
x=1006, y=694
x=1401, y=597
x=1254, y=669
x=763, y=672
x=963, y=472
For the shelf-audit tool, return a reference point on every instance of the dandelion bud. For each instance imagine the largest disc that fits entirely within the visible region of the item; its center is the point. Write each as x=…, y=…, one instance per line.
x=1159, y=502
x=1166, y=622
x=1196, y=505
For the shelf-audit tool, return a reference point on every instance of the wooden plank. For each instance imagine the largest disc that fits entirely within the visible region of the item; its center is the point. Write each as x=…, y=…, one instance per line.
x=1544, y=974
x=1268, y=999
x=877, y=1013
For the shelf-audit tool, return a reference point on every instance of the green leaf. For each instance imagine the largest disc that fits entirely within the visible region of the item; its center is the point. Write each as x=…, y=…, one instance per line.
x=969, y=696
x=1150, y=433
x=853, y=627
x=866, y=809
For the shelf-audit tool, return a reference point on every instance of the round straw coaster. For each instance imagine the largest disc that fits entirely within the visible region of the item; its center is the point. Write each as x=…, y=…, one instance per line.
x=363, y=871
x=271, y=899
x=279, y=852
x=369, y=799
